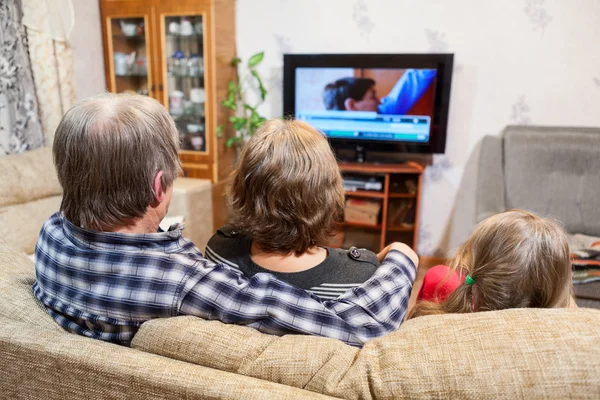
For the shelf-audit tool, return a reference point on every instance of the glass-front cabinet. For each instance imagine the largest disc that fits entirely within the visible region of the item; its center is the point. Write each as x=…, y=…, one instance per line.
x=179, y=53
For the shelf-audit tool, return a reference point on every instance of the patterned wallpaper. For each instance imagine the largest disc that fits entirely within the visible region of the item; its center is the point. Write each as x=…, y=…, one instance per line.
x=516, y=62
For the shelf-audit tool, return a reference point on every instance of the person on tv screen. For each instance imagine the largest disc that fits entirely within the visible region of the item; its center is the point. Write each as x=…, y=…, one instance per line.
x=359, y=94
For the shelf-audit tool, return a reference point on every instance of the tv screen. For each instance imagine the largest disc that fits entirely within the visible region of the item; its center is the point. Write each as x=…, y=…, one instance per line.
x=380, y=102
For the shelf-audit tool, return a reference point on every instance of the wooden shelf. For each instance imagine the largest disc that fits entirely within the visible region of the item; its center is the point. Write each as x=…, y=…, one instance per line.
x=359, y=225
x=365, y=193
x=402, y=196
x=393, y=175
x=400, y=228
x=408, y=168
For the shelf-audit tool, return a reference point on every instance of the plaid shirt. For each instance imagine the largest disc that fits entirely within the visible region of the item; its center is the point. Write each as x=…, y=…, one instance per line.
x=105, y=285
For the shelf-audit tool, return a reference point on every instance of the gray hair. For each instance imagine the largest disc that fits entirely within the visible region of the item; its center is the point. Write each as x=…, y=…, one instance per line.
x=107, y=152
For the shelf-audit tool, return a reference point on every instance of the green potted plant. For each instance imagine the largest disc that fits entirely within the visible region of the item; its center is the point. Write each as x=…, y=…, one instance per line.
x=246, y=118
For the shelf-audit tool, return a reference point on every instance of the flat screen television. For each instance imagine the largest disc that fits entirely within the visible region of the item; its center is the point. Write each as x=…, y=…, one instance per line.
x=372, y=102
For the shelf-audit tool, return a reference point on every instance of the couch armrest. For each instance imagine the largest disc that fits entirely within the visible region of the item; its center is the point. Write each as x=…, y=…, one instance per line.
x=481, y=192
x=192, y=199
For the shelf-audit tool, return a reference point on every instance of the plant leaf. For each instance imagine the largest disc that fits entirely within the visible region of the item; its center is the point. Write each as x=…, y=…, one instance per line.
x=261, y=87
x=256, y=59
x=231, y=141
x=239, y=124
x=232, y=87
x=235, y=61
x=231, y=96
x=229, y=104
x=220, y=131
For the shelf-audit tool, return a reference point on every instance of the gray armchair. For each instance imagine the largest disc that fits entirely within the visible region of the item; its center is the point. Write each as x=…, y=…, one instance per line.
x=551, y=171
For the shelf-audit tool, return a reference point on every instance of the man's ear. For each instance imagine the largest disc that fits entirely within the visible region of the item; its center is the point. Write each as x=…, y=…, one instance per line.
x=159, y=194
x=350, y=104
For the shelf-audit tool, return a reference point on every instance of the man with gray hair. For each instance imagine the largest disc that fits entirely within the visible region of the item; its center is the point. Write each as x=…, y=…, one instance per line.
x=103, y=266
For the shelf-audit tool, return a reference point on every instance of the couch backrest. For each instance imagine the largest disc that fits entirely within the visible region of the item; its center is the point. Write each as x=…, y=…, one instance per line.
x=17, y=302
x=28, y=176
x=51, y=365
x=555, y=171
x=31, y=193
x=522, y=353
x=39, y=358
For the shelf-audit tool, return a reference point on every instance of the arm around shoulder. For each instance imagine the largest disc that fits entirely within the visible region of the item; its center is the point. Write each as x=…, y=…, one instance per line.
x=402, y=248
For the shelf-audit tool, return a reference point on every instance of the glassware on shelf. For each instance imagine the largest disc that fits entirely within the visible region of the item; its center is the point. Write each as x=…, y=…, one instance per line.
x=188, y=109
x=198, y=97
x=141, y=66
x=186, y=28
x=176, y=103
x=129, y=27
x=198, y=26
x=121, y=67
x=143, y=90
x=196, y=136
x=178, y=64
x=174, y=28
x=195, y=66
x=197, y=142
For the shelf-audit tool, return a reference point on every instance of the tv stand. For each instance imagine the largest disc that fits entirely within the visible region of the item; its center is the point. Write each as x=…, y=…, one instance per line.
x=399, y=199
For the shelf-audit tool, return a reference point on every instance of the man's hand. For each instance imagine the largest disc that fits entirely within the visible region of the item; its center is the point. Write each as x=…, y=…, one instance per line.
x=401, y=247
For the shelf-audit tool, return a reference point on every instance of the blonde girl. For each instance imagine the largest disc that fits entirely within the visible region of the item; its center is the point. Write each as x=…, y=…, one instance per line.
x=515, y=259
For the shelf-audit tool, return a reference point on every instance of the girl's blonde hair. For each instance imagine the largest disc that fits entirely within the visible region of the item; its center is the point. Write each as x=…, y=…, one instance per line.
x=516, y=259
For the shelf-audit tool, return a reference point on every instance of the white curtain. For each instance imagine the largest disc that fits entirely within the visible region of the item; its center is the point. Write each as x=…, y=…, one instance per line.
x=49, y=24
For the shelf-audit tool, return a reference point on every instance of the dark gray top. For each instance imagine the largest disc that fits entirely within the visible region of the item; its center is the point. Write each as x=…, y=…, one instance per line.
x=340, y=271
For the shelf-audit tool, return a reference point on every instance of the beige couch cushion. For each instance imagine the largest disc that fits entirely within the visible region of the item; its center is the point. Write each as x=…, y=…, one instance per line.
x=28, y=176
x=39, y=363
x=521, y=353
x=17, y=302
x=20, y=224
x=192, y=199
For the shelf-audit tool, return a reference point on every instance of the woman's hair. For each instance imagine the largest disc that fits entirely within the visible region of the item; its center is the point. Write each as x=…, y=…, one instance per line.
x=516, y=259
x=336, y=93
x=287, y=192
x=107, y=152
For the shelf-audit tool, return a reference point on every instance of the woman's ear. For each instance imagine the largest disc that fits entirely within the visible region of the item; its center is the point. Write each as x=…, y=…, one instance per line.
x=159, y=194
x=350, y=104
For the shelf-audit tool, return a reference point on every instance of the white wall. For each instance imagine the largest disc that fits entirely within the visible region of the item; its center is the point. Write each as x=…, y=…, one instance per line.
x=88, y=53
x=516, y=62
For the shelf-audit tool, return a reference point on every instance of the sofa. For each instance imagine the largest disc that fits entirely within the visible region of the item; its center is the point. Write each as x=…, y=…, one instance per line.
x=507, y=354
x=552, y=171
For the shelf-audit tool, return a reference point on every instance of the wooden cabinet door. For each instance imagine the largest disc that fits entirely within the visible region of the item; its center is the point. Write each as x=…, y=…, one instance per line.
x=129, y=47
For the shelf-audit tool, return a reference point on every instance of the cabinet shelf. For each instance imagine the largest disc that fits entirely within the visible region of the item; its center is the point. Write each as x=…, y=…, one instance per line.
x=192, y=36
x=365, y=193
x=402, y=196
x=139, y=38
x=401, y=228
x=361, y=225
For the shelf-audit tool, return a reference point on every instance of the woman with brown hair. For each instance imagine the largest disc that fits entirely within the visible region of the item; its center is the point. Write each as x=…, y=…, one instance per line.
x=287, y=198
x=515, y=259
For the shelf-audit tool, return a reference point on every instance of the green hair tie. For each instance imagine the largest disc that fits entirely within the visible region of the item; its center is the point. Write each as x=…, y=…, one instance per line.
x=470, y=280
